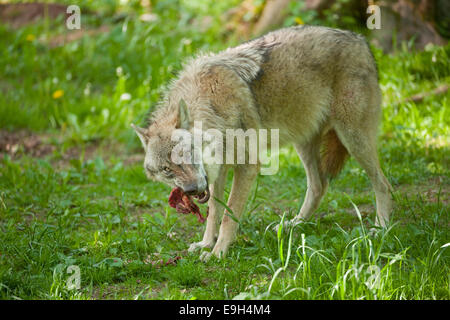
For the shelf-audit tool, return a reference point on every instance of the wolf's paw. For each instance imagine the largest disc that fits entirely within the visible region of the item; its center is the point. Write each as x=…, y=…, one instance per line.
x=200, y=245
x=205, y=256
x=219, y=252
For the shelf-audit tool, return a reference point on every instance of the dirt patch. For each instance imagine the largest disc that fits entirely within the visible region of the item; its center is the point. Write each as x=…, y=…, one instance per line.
x=24, y=142
x=365, y=210
x=133, y=159
x=18, y=143
x=75, y=152
x=435, y=190
x=20, y=14
x=124, y=290
x=75, y=35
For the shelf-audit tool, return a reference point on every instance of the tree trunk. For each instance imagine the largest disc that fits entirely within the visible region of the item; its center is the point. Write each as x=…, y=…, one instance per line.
x=272, y=16
x=423, y=21
x=407, y=20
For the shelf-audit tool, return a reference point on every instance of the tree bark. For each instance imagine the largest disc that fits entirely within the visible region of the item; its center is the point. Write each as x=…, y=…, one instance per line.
x=272, y=16
x=407, y=20
x=423, y=21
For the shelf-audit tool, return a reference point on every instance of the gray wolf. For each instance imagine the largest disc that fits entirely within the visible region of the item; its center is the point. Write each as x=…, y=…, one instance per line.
x=317, y=85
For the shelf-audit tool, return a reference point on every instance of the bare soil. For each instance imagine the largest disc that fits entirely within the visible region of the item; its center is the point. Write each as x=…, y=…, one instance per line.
x=24, y=142
x=18, y=15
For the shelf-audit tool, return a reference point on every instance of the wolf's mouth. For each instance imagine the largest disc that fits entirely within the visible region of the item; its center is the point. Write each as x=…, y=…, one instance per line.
x=204, y=196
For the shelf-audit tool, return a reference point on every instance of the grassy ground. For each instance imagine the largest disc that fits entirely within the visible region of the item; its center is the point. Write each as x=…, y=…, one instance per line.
x=73, y=191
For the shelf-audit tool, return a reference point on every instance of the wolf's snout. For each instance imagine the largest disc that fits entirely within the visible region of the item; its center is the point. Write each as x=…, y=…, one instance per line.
x=191, y=189
x=200, y=192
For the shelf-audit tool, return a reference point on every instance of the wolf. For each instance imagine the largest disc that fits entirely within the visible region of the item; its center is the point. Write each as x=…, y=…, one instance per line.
x=318, y=86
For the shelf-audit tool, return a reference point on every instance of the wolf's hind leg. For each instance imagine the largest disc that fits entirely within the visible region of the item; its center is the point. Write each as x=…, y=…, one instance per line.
x=361, y=144
x=210, y=235
x=356, y=113
x=317, y=184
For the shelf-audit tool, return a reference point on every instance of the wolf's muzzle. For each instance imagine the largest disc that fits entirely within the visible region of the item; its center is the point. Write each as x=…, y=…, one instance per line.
x=193, y=190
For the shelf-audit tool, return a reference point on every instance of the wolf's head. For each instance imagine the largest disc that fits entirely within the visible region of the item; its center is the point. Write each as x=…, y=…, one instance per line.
x=162, y=164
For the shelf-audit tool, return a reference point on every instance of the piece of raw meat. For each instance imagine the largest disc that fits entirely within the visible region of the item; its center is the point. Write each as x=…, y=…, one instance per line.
x=183, y=204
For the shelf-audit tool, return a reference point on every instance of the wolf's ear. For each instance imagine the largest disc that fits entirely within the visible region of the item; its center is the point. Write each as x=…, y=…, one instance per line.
x=183, y=115
x=142, y=134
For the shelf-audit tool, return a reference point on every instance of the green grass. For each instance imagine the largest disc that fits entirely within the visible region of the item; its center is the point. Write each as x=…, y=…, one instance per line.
x=97, y=211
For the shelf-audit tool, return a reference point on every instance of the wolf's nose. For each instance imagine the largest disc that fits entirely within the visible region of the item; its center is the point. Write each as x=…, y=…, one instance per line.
x=191, y=189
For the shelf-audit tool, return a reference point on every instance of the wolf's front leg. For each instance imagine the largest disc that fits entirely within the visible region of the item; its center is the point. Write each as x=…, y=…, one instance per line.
x=216, y=191
x=244, y=176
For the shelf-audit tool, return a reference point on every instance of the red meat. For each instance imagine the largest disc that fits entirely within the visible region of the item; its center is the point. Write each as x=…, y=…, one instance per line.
x=183, y=204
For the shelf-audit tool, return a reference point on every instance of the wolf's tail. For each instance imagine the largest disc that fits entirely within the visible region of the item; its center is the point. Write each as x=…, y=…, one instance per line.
x=333, y=154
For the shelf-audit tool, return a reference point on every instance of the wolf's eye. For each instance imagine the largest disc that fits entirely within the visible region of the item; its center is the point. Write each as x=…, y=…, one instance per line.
x=167, y=170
